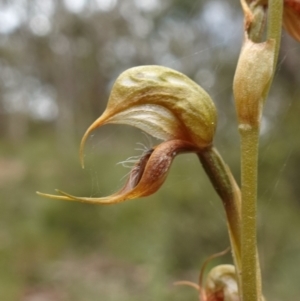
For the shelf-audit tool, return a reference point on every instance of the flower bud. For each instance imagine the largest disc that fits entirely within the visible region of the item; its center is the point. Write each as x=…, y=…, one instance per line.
x=221, y=284
x=251, y=80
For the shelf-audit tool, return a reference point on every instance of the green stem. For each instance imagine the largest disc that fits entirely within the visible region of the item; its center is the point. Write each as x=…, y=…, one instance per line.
x=251, y=279
x=224, y=184
x=275, y=11
x=249, y=156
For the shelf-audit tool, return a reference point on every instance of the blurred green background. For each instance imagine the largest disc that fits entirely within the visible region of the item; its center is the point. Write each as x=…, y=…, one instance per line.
x=58, y=61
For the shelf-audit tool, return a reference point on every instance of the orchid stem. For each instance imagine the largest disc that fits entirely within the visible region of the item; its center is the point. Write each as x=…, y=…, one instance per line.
x=226, y=187
x=275, y=12
x=251, y=278
x=249, y=155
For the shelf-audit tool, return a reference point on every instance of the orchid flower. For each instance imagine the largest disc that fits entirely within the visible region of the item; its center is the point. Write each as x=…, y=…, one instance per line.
x=165, y=104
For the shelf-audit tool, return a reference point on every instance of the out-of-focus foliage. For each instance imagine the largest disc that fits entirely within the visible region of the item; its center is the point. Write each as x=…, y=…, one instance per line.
x=58, y=60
